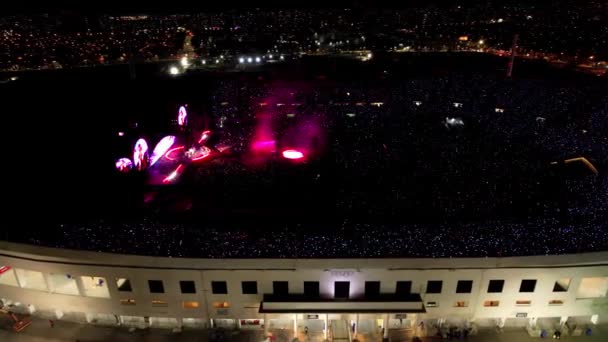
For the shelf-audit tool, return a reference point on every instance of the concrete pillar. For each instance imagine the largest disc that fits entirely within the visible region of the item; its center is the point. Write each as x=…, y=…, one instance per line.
x=47, y=281
x=326, y=327
x=238, y=324
x=532, y=322
x=80, y=286
x=563, y=320
x=385, y=326
x=58, y=313
x=265, y=326
x=356, y=325
x=595, y=319
x=295, y=326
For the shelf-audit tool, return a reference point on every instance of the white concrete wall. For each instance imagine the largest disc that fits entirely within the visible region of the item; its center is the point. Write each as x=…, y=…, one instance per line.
x=141, y=269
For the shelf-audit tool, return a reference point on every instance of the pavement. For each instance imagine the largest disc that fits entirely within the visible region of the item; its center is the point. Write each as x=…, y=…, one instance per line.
x=40, y=331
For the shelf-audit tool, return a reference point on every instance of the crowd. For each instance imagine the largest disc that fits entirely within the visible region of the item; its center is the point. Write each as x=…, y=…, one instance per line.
x=490, y=185
x=390, y=152
x=493, y=239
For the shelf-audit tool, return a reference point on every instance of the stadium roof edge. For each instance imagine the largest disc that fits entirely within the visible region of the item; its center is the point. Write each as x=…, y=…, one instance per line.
x=10, y=250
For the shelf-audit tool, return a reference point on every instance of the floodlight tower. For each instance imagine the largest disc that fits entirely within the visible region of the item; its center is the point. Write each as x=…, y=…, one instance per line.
x=513, y=52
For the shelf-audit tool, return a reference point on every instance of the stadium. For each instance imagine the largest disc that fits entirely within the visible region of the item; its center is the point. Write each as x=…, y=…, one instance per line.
x=325, y=198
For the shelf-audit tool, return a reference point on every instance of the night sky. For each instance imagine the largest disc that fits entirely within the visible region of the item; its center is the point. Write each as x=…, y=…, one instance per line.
x=151, y=6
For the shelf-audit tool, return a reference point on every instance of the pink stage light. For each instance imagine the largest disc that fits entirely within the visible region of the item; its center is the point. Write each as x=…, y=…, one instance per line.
x=264, y=145
x=173, y=174
x=161, y=148
x=124, y=164
x=293, y=154
x=263, y=137
x=140, y=154
x=121, y=134
x=169, y=153
x=204, y=136
x=4, y=269
x=201, y=153
x=182, y=116
x=201, y=157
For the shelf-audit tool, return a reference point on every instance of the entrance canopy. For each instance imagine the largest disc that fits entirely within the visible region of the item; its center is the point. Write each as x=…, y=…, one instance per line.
x=384, y=303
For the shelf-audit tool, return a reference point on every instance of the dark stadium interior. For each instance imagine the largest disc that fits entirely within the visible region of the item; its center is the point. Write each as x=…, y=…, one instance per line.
x=426, y=140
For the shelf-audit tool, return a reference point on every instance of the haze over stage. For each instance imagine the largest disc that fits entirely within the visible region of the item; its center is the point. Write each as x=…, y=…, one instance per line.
x=394, y=160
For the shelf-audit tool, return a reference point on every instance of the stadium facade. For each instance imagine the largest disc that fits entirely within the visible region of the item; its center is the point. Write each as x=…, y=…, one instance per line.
x=313, y=296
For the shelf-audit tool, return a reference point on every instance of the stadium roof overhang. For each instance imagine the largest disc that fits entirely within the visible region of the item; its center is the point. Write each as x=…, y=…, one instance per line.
x=305, y=304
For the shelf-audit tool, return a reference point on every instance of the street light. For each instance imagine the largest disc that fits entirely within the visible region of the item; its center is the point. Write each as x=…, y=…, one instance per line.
x=184, y=62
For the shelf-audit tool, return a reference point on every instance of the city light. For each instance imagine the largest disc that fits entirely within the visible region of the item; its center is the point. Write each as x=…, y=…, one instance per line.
x=282, y=57
x=270, y=56
x=481, y=42
x=453, y=122
x=204, y=62
x=173, y=70
x=241, y=60
x=249, y=59
x=258, y=59
x=184, y=62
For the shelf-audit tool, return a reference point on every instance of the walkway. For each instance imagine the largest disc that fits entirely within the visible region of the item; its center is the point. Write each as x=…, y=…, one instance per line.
x=40, y=331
